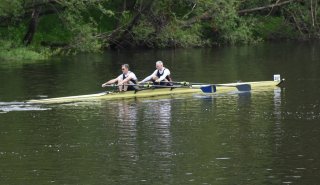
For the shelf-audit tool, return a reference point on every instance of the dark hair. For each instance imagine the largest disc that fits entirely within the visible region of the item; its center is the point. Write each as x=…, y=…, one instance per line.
x=125, y=65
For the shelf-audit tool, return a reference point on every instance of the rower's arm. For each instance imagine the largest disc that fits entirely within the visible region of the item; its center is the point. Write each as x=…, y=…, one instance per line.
x=127, y=79
x=149, y=77
x=110, y=82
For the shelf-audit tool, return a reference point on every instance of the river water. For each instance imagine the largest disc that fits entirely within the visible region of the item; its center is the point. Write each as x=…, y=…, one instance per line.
x=265, y=137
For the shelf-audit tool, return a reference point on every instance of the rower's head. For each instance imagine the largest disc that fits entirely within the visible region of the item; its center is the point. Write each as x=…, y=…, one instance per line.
x=159, y=65
x=125, y=68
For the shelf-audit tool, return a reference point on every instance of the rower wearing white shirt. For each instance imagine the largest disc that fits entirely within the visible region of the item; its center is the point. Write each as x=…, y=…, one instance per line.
x=161, y=76
x=125, y=81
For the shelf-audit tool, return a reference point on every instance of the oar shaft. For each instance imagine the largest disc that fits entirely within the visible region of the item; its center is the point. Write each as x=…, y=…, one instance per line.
x=116, y=85
x=147, y=85
x=191, y=83
x=206, y=88
x=240, y=87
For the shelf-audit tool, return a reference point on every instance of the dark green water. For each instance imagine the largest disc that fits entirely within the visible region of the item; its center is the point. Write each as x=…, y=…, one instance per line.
x=267, y=137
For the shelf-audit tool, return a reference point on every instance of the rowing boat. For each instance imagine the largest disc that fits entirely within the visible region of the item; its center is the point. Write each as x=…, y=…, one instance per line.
x=151, y=92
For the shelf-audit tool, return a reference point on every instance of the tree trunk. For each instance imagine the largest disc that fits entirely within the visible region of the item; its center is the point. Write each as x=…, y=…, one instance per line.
x=241, y=12
x=32, y=26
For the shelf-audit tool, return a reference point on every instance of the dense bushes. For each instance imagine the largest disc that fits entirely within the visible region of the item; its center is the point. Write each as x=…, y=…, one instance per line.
x=38, y=29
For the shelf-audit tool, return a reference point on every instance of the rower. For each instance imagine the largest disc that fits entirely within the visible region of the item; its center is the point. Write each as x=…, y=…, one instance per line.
x=161, y=76
x=126, y=81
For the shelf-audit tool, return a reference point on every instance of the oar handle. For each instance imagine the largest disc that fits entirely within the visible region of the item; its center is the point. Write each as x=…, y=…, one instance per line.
x=116, y=85
x=185, y=83
x=109, y=85
x=147, y=85
x=140, y=85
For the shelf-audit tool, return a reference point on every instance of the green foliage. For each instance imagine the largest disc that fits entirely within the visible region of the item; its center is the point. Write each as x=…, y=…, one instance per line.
x=170, y=36
x=273, y=28
x=51, y=30
x=13, y=33
x=74, y=27
x=305, y=18
x=232, y=28
x=255, y=3
x=83, y=25
x=10, y=51
x=11, y=8
x=88, y=25
x=125, y=17
x=84, y=39
x=143, y=33
x=11, y=47
x=173, y=36
x=237, y=30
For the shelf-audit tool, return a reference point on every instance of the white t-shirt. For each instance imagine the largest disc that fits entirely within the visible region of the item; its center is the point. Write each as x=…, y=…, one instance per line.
x=165, y=72
x=131, y=74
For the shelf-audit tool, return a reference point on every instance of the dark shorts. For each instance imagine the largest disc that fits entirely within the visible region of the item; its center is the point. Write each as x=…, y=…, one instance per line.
x=132, y=88
x=163, y=83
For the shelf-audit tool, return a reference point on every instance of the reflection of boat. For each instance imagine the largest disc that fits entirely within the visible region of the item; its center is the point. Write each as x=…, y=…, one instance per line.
x=151, y=92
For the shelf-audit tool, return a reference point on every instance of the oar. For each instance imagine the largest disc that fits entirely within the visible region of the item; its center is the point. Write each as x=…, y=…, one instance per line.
x=204, y=88
x=207, y=88
x=147, y=85
x=240, y=87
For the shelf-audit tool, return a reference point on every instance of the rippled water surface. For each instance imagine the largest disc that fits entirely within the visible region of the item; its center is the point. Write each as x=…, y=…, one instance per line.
x=266, y=137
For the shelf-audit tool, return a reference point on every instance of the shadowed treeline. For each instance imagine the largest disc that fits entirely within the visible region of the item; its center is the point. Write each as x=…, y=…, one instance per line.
x=39, y=29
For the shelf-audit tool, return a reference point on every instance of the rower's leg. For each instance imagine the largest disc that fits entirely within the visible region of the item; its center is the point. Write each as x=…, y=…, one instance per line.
x=165, y=82
x=123, y=87
x=132, y=86
x=120, y=88
x=154, y=78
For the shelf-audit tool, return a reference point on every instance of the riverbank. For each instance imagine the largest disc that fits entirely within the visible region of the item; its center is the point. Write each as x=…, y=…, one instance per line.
x=38, y=30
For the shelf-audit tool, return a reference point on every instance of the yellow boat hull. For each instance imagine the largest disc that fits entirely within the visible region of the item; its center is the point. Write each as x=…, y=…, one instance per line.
x=194, y=89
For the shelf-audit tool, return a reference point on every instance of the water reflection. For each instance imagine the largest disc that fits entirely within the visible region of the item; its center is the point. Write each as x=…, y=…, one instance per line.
x=125, y=115
x=277, y=105
x=278, y=117
x=156, y=118
x=244, y=98
x=150, y=121
x=158, y=114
